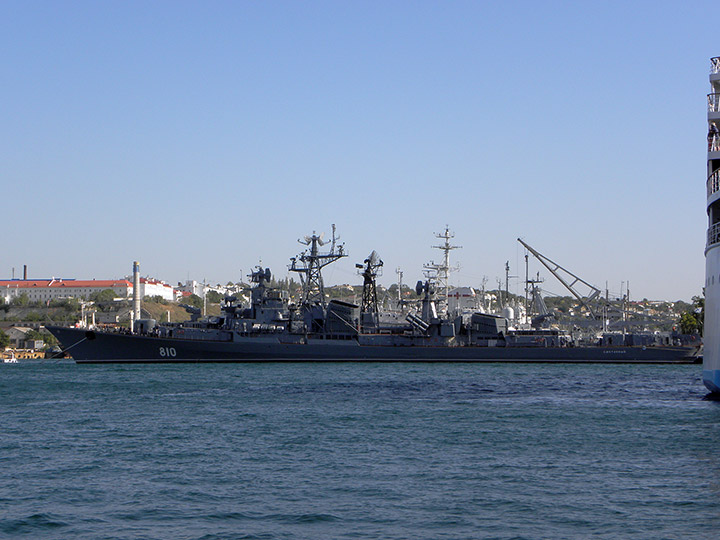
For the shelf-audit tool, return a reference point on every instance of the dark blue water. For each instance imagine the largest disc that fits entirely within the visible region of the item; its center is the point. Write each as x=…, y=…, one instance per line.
x=387, y=451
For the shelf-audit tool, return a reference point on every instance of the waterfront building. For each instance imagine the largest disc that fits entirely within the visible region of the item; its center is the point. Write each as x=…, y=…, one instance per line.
x=154, y=287
x=45, y=290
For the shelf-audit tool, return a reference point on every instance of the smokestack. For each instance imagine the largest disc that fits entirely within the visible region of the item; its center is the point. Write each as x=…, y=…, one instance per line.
x=24, y=272
x=136, y=292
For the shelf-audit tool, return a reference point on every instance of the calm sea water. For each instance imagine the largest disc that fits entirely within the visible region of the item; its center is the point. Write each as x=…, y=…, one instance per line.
x=387, y=451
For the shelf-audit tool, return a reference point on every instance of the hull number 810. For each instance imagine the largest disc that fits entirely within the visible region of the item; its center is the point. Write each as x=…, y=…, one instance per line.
x=168, y=352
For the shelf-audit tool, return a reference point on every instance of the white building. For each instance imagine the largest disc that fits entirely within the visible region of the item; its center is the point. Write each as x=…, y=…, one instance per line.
x=192, y=287
x=44, y=290
x=154, y=287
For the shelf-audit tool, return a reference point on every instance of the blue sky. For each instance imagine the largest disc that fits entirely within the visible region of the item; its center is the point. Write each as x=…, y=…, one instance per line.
x=201, y=138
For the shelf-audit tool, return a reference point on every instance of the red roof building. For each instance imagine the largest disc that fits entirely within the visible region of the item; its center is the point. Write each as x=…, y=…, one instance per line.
x=41, y=290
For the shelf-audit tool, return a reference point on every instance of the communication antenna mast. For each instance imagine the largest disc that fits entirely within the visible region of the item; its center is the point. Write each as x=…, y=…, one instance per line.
x=542, y=314
x=507, y=282
x=527, y=285
x=442, y=271
x=483, y=299
x=401, y=302
x=309, y=265
x=534, y=302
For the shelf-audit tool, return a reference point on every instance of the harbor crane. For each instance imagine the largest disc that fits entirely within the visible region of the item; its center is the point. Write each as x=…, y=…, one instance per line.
x=572, y=282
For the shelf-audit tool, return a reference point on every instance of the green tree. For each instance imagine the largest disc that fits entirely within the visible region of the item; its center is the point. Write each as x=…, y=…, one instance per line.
x=214, y=297
x=46, y=336
x=688, y=323
x=34, y=335
x=67, y=304
x=692, y=319
x=193, y=300
x=106, y=295
x=698, y=303
x=4, y=340
x=20, y=300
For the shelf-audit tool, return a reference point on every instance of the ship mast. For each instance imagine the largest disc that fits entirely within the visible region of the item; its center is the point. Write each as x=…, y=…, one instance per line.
x=401, y=302
x=309, y=265
x=441, y=272
x=369, y=312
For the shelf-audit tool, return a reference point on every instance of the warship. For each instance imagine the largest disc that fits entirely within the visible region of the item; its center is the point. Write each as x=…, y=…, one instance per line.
x=274, y=329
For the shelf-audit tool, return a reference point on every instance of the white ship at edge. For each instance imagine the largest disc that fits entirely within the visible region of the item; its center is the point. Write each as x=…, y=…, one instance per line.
x=711, y=355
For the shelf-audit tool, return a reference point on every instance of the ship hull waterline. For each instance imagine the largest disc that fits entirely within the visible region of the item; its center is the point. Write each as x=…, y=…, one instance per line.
x=102, y=347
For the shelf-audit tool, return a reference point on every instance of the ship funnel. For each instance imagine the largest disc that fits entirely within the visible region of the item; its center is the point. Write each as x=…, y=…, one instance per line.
x=136, y=292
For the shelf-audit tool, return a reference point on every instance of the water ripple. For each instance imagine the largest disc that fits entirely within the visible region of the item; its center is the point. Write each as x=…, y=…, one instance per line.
x=33, y=524
x=338, y=451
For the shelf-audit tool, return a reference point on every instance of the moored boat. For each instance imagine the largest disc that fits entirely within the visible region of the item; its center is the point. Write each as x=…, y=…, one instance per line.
x=274, y=329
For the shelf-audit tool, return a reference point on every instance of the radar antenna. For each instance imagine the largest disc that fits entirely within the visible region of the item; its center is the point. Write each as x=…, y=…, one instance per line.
x=260, y=276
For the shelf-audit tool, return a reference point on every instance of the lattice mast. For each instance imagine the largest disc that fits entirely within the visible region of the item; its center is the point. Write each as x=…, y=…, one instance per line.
x=309, y=265
x=369, y=306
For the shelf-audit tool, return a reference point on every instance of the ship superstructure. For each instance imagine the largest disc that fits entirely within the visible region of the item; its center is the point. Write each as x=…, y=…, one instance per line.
x=711, y=355
x=273, y=328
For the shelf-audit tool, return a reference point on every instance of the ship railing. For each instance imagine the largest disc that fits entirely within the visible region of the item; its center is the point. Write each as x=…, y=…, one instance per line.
x=713, y=235
x=715, y=65
x=714, y=145
x=713, y=103
x=713, y=183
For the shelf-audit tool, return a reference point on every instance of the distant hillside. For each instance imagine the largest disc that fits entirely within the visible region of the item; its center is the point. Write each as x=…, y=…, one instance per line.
x=178, y=313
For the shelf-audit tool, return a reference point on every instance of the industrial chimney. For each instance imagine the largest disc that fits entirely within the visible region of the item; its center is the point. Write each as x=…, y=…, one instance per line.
x=24, y=272
x=136, y=292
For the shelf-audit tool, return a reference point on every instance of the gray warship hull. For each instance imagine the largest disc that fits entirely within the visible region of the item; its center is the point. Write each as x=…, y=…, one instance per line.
x=89, y=346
